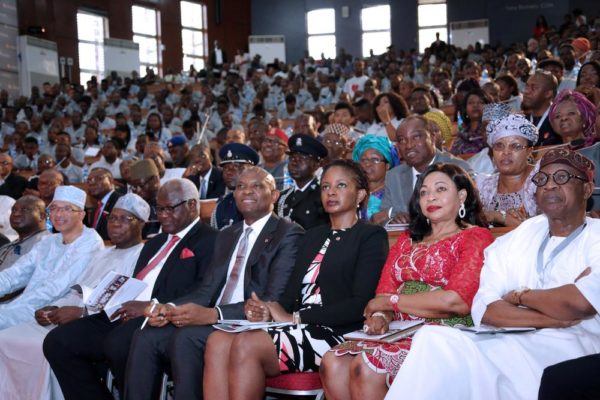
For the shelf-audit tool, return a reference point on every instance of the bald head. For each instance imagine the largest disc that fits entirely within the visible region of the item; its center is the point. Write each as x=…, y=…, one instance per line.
x=255, y=194
x=48, y=181
x=6, y=165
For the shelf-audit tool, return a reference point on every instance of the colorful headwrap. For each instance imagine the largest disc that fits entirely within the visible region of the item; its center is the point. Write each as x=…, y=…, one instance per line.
x=511, y=125
x=569, y=157
x=443, y=122
x=582, y=44
x=379, y=143
x=585, y=107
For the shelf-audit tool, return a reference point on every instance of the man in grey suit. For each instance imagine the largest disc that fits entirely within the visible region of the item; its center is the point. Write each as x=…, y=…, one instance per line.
x=255, y=255
x=416, y=145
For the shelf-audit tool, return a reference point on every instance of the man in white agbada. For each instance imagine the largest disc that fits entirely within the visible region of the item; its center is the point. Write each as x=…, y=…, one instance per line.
x=544, y=274
x=24, y=372
x=52, y=266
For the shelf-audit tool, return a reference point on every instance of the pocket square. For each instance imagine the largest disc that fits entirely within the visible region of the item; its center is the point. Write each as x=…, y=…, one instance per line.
x=186, y=253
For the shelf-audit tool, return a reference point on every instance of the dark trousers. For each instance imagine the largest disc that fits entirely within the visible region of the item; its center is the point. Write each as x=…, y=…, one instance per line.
x=153, y=349
x=74, y=350
x=573, y=379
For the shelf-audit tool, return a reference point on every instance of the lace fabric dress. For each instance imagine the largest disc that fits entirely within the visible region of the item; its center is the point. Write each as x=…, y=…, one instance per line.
x=494, y=201
x=453, y=263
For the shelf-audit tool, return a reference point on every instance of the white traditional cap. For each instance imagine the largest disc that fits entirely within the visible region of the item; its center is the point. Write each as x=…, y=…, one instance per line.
x=511, y=125
x=134, y=204
x=70, y=194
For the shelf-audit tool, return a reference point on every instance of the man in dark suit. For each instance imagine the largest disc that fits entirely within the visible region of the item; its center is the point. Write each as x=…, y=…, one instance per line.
x=537, y=98
x=10, y=184
x=235, y=157
x=171, y=264
x=207, y=178
x=102, y=189
x=217, y=56
x=253, y=256
x=416, y=145
x=145, y=180
x=302, y=202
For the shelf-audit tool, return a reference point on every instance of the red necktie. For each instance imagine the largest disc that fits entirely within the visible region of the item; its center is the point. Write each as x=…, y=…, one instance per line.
x=234, y=276
x=97, y=214
x=159, y=257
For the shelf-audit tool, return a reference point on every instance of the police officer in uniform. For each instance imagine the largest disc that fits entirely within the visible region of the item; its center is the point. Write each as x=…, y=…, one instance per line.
x=235, y=157
x=301, y=203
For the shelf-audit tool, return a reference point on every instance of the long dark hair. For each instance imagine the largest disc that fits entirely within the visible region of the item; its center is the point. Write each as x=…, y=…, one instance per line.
x=419, y=227
x=473, y=92
x=397, y=103
x=596, y=66
x=357, y=173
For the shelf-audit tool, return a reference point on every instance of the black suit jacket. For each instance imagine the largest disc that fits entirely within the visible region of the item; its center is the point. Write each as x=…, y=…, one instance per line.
x=347, y=278
x=13, y=186
x=180, y=275
x=216, y=184
x=102, y=227
x=268, y=268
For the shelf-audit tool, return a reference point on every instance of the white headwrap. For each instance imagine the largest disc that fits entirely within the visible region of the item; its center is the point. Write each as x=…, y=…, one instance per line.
x=511, y=125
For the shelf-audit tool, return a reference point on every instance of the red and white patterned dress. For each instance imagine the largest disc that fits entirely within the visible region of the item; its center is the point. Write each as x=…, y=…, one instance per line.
x=453, y=263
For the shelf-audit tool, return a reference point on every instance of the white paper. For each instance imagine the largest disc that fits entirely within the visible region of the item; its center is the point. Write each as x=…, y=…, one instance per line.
x=112, y=291
x=492, y=330
x=395, y=328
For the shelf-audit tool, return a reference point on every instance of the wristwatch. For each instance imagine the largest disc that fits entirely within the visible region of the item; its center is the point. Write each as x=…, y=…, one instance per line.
x=394, y=299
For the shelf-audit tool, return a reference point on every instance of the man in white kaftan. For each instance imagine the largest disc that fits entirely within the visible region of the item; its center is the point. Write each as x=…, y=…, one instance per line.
x=53, y=265
x=451, y=364
x=24, y=371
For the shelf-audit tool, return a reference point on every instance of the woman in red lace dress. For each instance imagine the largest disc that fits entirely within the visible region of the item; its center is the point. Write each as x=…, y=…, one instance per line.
x=432, y=272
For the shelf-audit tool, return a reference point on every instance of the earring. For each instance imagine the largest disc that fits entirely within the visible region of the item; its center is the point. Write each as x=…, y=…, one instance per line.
x=428, y=223
x=462, y=211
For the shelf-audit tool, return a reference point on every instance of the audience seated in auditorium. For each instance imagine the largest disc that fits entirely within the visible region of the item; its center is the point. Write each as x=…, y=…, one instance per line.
x=558, y=293
x=25, y=371
x=432, y=272
x=172, y=264
x=333, y=277
x=255, y=257
x=51, y=267
x=416, y=146
x=11, y=184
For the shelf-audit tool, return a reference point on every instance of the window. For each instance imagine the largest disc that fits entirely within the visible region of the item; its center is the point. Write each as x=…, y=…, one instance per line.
x=432, y=19
x=376, y=35
x=91, y=31
x=320, y=26
x=146, y=32
x=193, y=34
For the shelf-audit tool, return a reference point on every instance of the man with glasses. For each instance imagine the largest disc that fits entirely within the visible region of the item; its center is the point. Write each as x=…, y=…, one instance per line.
x=274, y=161
x=53, y=265
x=335, y=140
x=416, y=147
x=545, y=274
x=145, y=182
x=301, y=203
x=235, y=158
x=172, y=264
x=253, y=256
x=102, y=189
x=24, y=370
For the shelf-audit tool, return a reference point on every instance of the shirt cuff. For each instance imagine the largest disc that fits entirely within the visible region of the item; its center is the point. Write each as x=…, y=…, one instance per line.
x=219, y=312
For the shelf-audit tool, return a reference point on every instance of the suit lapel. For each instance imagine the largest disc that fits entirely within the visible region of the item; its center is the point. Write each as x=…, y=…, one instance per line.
x=149, y=251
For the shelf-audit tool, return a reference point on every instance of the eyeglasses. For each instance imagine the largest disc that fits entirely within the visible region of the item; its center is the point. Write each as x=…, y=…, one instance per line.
x=5, y=163
x=65, y=209
x=371, y=161
x=513, y=147
x=169, y=209
x=124, y=219
x=272, y=141
x=560, y=177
